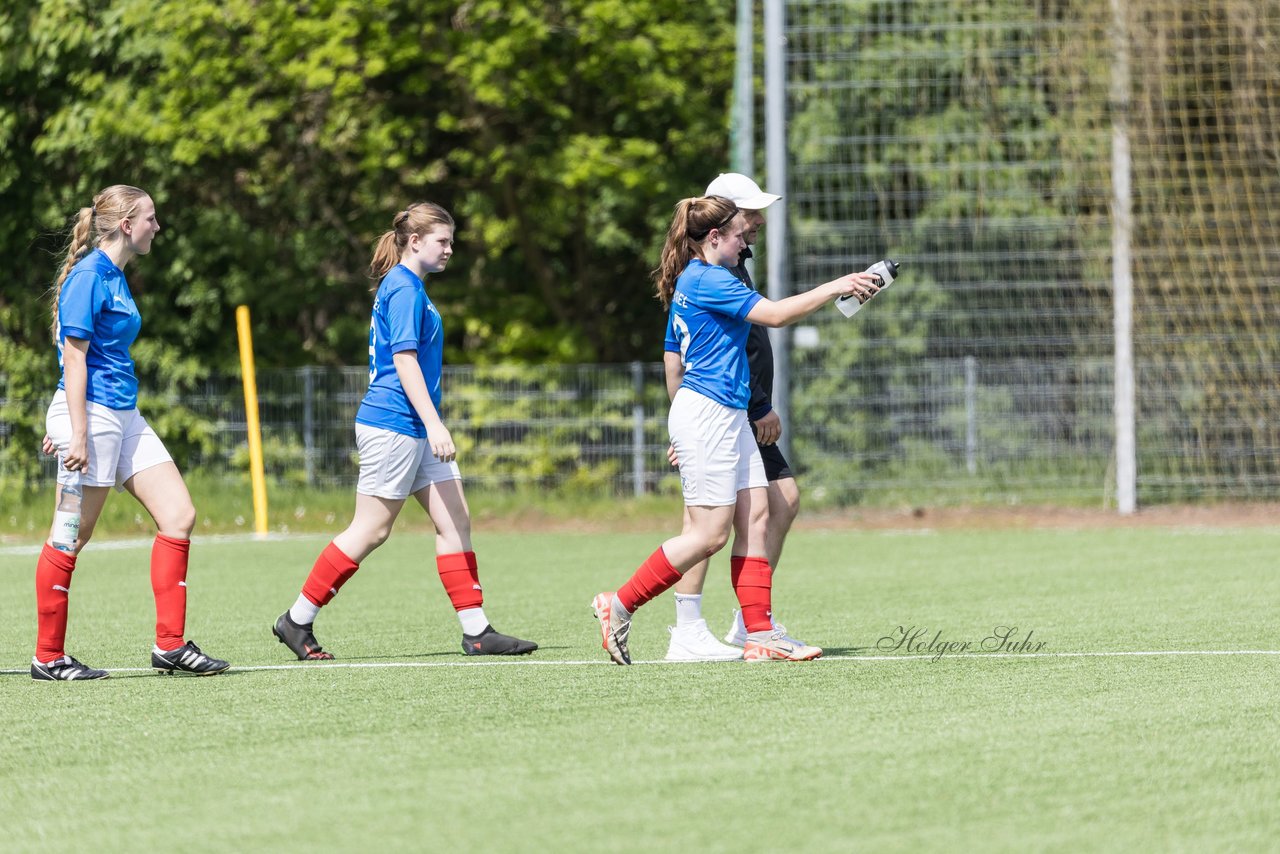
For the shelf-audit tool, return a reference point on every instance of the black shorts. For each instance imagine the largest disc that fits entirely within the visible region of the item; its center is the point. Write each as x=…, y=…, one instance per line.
x=775, y=464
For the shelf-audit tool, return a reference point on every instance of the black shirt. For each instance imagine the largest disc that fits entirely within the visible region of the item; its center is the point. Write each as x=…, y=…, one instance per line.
x=759, y=354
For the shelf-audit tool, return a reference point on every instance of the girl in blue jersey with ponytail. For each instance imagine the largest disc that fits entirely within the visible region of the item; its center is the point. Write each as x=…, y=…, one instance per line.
x=721, y=472
x=103, y=441
x=404, y=447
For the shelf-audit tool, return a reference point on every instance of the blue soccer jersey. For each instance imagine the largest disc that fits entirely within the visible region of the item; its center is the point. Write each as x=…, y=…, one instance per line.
x=403, y=319
x=95, y=305
x=707, y=325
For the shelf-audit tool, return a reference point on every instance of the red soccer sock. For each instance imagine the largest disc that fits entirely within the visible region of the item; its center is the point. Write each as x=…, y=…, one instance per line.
x=169, y=585
x=654, y=576
x=753, y=582
x=332, y=570
x=461, y=579
x=53, y=588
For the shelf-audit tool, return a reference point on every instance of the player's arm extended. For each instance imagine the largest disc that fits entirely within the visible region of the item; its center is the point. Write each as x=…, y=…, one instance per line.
x=784, y=312
x=415, y=388
x=674, y=370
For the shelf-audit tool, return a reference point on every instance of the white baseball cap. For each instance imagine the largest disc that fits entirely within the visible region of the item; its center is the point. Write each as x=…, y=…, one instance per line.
x=742, y=191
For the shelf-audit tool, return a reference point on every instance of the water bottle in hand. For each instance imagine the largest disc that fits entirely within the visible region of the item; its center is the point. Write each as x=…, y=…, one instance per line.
x=66, y=518
x=885, y=271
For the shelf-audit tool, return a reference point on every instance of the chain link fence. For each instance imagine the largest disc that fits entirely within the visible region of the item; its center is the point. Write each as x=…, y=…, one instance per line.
x=976, y=143
x=595, y=428
x=928, y=431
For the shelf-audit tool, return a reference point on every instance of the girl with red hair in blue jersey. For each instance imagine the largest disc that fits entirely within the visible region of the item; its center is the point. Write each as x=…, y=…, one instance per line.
x=721, y=472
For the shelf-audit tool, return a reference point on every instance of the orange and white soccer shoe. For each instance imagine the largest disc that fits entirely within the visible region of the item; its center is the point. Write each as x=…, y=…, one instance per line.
x=615, y=626
x=775, y=645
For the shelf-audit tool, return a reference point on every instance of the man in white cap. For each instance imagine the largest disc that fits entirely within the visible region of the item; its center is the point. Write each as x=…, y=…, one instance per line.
x=691, y=640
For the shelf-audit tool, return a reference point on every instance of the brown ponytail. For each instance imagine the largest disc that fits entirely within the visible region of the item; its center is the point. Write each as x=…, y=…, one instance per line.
x=695, y=219
x=94, y=225
x=416, y=219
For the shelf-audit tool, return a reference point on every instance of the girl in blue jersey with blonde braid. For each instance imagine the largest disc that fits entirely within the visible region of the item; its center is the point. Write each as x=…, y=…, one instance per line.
x=103, y=441
x=721, y=473
x=405, y=449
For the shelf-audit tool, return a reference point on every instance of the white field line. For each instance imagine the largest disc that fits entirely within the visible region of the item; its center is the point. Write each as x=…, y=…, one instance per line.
x=828, y=659
x=275, y=537
x=145, y=542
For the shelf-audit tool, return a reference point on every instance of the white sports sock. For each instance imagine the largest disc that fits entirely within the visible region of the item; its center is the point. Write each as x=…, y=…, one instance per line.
x=688, y=608
x=473, y=621
x=304, y=611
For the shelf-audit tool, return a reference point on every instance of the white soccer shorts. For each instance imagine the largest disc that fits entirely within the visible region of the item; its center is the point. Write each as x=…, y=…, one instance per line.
x=121, y=442
x=393, y=465
x=716, y=450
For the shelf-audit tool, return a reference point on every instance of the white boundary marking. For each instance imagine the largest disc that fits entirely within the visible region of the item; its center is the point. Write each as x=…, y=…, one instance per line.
x=832, y=659
x=108, y=545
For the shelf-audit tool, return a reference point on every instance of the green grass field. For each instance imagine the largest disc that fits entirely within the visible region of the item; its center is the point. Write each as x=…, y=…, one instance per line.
x=403, y=744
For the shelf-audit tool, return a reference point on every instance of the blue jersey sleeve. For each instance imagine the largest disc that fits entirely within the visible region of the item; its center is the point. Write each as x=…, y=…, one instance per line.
x=724, y=293
x=404, y=319
x=78, y=304
x=672, y=343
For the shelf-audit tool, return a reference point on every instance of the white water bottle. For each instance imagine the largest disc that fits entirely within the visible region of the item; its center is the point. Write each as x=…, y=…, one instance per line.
x=885, y=271
x=66, y=518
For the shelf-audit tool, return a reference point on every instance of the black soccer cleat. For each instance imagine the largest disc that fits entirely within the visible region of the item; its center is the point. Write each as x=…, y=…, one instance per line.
x=186, y=659
x=65, y=669
x=491, y=642
x=299, y=639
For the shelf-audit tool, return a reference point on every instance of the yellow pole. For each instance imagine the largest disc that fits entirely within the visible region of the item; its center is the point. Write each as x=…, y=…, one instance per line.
x=257, y=478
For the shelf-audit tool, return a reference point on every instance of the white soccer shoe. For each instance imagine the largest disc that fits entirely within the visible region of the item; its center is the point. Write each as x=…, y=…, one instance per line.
x=694, y=642
x=776, y=646
x=738, y=634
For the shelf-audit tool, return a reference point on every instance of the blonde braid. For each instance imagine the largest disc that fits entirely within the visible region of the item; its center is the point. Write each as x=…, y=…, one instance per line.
x=80, y=246
x=93, y=225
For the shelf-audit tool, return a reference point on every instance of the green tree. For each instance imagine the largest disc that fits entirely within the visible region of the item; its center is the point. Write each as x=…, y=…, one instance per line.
x=279, y=139
x=280, y=144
